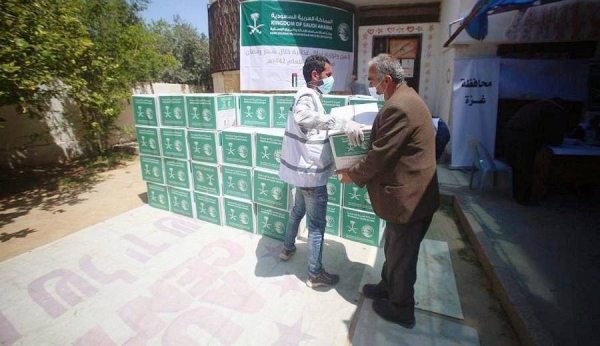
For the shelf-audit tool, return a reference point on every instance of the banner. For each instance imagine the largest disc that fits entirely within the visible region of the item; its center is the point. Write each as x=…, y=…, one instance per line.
x=277, y=36
x=474, y=106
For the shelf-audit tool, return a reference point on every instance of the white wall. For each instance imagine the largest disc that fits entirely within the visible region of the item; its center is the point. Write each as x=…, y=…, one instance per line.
x=56, y=138
x=428, y=79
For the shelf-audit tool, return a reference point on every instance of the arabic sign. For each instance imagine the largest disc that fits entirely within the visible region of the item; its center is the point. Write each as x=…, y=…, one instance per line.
x=474, y=106
x=277, y=36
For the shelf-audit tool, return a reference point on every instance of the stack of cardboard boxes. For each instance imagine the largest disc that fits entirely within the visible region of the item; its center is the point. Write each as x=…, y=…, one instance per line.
x=215, y=157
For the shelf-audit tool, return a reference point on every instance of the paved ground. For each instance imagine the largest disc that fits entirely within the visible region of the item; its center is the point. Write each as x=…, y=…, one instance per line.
x=29, y=221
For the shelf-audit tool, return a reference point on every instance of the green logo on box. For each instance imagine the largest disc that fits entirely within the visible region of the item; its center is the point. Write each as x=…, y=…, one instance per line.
x=268, y=151
x=239, y=214
x=208, y=208
x=271, y=222
x=181, y=202
x=148, y=142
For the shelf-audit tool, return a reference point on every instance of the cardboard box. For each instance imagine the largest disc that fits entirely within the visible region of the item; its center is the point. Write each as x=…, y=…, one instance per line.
x=237, y=181
x=158, y=196
x=238, y=146
x=148, y=140
x=255, y=110
x=334, y=190
x=209, y=208
x=333, y=101
x=361, y=113
x=177, y=173
x=174, y=143
x=207, y=178
x=269, y=189
x=210, y=111
x=346, y=155
x=172, y=110
x=362, y=227
x=269, y=144
x=271, y=222
x=355, y=100
x=180, y=201
x=152, y=169
x=356, y=197
x=205, y=146
x=239, y=214
x=332, y=218
x=144, y=110
x=282, y=104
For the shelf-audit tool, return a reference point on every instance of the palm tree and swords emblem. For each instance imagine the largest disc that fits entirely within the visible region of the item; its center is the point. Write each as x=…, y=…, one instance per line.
x=255, y=28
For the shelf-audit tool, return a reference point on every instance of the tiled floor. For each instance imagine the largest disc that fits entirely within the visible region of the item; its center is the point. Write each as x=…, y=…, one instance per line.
x=148, y=276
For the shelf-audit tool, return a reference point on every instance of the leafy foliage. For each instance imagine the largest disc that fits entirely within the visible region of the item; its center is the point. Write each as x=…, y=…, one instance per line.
x=122, y=55
x=190, y=49
x=41, y=47
x=92, y=52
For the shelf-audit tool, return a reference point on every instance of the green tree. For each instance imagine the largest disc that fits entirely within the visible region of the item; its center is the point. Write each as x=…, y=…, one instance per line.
x=121, y=56
x=190, y=49
x=41, y=46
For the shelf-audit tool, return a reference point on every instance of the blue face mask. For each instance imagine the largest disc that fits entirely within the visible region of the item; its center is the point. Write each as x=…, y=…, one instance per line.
x=327, y=85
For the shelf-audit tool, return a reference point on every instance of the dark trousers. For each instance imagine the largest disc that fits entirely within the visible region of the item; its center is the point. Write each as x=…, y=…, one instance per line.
x=399, y=273
x=520, y=151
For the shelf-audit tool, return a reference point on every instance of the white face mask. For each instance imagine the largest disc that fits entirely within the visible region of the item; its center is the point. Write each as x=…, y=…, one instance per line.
x=374, y=93
x=327, y=85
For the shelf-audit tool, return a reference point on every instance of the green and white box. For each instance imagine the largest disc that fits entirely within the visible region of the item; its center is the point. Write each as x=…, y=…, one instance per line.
x=181, y=201
x=332, y=218
x=355, y=100
x=361, y=227
x=158, y=196
x=331, y=101
x=172, y=110
x=205, y=146
x=357, y=198
x=255, y=110
x=238, y=146
x=334, y=190
x=346, y=155
x=152, y=169
x=148, y=140
x=282, y=104
x=173, y=143
x=144, y=110
x=361, y=113
x=207, y=178
x=271, y=222
x=210, y=111
x=239, y=214
x=237, y=181
x=177, y=173
x=269, y=143
x=269, y=189
x=209, y=208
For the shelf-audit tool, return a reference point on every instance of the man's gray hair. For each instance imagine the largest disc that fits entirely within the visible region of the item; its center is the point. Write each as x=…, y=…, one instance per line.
x=385, y=64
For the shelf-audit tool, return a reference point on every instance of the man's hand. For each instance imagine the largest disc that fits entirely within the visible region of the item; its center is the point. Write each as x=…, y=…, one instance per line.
x=343, y=176
x=354, y=132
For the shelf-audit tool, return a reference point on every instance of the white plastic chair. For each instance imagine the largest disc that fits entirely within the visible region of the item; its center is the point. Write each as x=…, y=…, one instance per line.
x=485, y=164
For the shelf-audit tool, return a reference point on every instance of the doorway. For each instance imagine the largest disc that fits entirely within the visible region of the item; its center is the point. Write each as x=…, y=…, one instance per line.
x=407, y=49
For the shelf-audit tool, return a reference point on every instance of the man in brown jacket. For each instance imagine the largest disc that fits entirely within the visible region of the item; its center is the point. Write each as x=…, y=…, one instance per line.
x=400, y=173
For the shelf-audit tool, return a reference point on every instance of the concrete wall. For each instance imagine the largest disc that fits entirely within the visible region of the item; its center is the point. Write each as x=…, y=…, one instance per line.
x=57, y=138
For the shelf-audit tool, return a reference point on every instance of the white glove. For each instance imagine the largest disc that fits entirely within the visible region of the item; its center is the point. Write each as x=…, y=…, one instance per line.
x=354, y=132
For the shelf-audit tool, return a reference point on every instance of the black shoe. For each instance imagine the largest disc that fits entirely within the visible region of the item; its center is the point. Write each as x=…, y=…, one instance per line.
x=371, y=291
x=386, y=310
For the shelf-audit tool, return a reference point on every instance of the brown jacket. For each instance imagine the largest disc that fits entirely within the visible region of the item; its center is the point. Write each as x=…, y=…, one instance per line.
x=399, y=169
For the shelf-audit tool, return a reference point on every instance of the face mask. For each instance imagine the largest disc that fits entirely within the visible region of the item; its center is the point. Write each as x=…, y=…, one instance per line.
x=327, y=85
x=376, y=94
